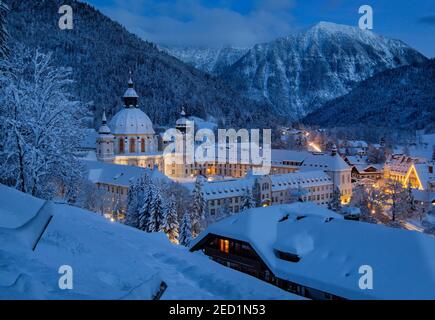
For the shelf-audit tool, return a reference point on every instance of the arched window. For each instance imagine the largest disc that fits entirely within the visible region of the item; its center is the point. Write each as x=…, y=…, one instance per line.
x=132, y=145
x=142, y=145
x=121, y=145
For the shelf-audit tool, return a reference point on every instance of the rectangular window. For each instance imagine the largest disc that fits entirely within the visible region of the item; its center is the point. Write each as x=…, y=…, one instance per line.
x=224, y=245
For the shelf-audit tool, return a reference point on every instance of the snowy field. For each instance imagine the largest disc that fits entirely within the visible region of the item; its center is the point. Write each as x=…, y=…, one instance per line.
x=109, y=260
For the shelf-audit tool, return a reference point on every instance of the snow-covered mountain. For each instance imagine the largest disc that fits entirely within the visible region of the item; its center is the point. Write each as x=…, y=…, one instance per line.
x=298, y=73
x=211, y=60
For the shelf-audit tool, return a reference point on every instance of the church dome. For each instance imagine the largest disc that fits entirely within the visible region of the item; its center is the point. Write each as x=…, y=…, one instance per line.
x=131, y=121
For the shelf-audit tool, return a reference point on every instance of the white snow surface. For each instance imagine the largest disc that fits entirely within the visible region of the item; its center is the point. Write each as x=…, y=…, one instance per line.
x=332, y=251
x=109, y=260
x=424, y=147
x=120, y=175
x=131, y=121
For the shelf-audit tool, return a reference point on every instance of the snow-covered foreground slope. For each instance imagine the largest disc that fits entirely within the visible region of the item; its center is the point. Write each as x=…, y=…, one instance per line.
x=109, y=260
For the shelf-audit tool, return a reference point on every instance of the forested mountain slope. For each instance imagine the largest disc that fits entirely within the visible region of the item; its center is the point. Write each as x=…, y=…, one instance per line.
x=102, y=52
x=402, y=98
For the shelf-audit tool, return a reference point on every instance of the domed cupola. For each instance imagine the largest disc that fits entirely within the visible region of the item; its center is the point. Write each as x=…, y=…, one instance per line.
x=105, y=143
x=104, y=129
x=131, y=98
x=130, y=120
x=182, y=123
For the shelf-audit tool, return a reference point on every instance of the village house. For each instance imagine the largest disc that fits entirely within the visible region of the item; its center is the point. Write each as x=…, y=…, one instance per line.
x=364, y=172
x=402, y=168
x=313, y=252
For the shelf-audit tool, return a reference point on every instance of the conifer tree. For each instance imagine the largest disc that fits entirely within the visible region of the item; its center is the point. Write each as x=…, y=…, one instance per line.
x=144, y=201
x=335, y=203
x=199, y=207
x=155, y=219
x=132, y=213
x=248, y=200
x=185, y=231
x=170, y=224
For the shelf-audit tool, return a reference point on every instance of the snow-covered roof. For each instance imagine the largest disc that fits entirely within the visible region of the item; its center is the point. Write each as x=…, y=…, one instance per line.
x=311, y=160
x=108, y=260
x=424, y=174
x=357, y=144
x=119, y=175
x=303, y=179
x=289, y=155
x=227, y=188
x=354, y=160
x=130, y=93
x=364, y=167
x=332, y=251
x=400, y=163
x=131, y=121
x=182, y=121
x=325, y=162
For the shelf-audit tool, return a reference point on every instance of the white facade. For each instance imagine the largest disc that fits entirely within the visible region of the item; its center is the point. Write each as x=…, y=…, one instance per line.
x=311, y=186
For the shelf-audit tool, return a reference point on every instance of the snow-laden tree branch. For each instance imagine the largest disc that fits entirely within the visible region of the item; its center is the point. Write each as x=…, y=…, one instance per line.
x=40, y=126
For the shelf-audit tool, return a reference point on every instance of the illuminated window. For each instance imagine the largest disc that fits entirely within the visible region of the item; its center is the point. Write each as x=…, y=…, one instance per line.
x=121, y=145
x=142, y=145
x=132, y=145
x=224, y=245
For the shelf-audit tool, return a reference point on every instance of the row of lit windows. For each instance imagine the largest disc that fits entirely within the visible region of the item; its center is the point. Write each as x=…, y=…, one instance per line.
x=132, y=145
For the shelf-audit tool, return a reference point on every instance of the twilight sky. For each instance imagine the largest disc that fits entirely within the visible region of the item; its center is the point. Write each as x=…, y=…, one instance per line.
x=246, y=22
